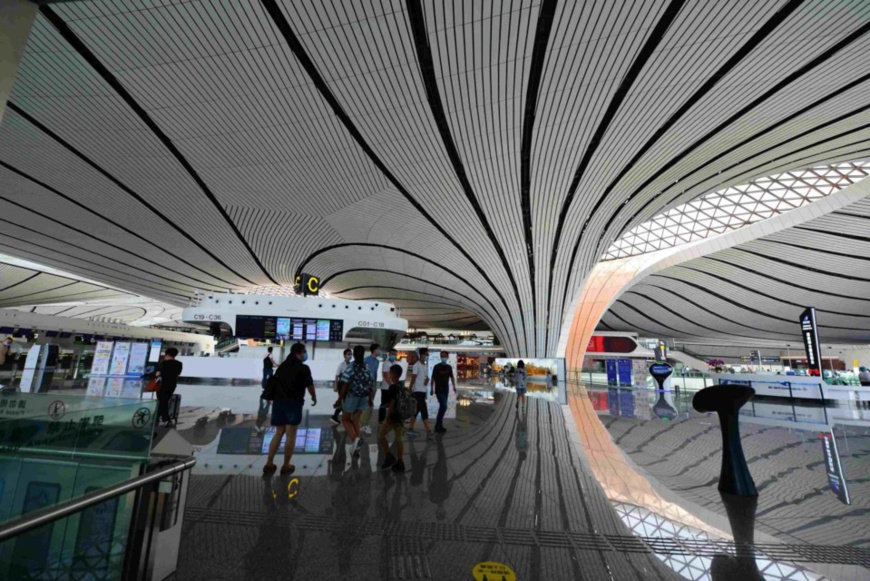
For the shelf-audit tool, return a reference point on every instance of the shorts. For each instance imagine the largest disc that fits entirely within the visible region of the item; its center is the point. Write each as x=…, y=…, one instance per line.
x=396, y=426
x=521, y=390
x=287, y=412
x=422, y=406
x=355, y=403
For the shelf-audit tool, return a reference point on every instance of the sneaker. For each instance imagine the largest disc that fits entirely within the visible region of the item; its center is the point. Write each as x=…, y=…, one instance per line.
x=389, y=462
x=270, y=469
x=335, y=420
x=288, y=470
x=399, y=466
x=440, y=429
x=367, y=430
x=412, y=432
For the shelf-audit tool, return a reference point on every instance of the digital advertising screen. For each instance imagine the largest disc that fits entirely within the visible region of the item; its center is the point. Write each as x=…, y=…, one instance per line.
x=298, y=330
x=322, y=330
x=310, y=329
x=336, y=330
x=282, y=328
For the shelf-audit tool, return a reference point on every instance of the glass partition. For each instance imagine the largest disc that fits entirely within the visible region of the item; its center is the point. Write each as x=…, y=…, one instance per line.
x=55, y=448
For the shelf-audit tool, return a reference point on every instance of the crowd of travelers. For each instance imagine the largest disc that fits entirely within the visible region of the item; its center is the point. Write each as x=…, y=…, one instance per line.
x=358, y=379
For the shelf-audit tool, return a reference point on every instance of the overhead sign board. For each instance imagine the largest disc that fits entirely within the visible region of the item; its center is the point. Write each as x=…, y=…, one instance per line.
x=810, y=334
x=306, y=285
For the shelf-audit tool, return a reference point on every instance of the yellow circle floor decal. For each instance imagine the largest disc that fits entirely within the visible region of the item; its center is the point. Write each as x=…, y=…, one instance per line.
x=492, y=571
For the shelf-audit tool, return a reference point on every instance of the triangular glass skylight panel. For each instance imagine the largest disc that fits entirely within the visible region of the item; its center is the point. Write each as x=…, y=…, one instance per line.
x=736, y=206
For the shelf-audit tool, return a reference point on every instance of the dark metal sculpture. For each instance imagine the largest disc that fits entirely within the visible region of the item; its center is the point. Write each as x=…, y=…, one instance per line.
x=726, y=400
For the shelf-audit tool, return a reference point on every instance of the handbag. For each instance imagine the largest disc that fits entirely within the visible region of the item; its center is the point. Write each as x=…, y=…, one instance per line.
x=153, y=385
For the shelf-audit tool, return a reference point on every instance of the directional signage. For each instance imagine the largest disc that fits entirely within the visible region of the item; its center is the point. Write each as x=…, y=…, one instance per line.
x=810, y=333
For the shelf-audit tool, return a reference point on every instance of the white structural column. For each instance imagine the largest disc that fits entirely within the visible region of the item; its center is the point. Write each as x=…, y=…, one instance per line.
x=16, y=17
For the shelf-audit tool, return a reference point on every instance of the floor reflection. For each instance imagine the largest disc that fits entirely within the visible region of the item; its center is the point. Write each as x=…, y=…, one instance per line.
x=504, y=485
x=609, y=418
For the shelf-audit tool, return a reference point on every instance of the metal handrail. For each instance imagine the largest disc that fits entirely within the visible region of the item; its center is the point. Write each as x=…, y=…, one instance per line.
x=39, y=518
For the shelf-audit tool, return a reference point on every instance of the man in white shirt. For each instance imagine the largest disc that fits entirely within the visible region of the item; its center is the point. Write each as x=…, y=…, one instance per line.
x=348, y=355
x=417, y=381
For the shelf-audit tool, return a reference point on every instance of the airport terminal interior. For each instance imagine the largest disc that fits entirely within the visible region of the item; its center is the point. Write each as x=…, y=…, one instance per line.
x=435, y=289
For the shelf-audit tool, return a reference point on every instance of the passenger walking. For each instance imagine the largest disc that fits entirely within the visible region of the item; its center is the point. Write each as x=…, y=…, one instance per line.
x=417, y=382
x=442, y=377
x=348, y=355
x=394, y=422
x=385, y=384
x=358, y=392
x=424, y=359
x=168, y=371
x=372, y=363
x=268, y=366
x=520, y=377
x=293, y=378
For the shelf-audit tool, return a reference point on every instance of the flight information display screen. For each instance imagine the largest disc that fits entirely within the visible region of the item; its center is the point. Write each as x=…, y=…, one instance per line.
x=288, y=328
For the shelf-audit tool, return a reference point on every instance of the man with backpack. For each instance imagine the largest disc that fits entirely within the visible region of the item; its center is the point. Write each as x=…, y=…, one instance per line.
x=401, y=407
x=358, y=393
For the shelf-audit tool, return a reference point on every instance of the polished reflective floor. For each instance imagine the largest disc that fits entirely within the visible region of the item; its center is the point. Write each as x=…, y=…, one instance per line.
x=545, y=491
x=784, y=444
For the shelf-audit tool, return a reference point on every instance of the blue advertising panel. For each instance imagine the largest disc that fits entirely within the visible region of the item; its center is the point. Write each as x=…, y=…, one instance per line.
x=623, y=369
x=611, y=372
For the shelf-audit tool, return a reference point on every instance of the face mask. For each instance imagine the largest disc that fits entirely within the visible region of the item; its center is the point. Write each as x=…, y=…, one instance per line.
x=443, y=360
x=348, y=358
x=304, y=357
x=392, y=357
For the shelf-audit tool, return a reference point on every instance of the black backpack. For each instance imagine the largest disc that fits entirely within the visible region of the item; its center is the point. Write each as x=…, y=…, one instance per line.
x=267, y=362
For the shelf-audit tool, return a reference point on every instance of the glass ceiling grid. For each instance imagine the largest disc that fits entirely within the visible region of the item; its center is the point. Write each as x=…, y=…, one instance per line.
x=736, y=206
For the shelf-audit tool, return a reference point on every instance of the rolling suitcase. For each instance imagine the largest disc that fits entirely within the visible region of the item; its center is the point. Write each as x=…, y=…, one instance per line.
x=174, y=406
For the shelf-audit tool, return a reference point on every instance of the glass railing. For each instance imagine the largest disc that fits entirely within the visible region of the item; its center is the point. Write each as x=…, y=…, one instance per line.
x=58, y=448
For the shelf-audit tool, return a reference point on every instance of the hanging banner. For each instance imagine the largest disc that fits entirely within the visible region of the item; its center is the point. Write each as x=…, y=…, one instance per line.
x=623, y=372
x=661, y=351
x=120, y=357
x=102, y=358
x=810, y=333
x=834, y=468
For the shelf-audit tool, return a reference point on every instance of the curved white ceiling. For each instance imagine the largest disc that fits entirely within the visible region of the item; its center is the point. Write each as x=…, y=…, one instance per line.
x=759, y=288
x=464, y=160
